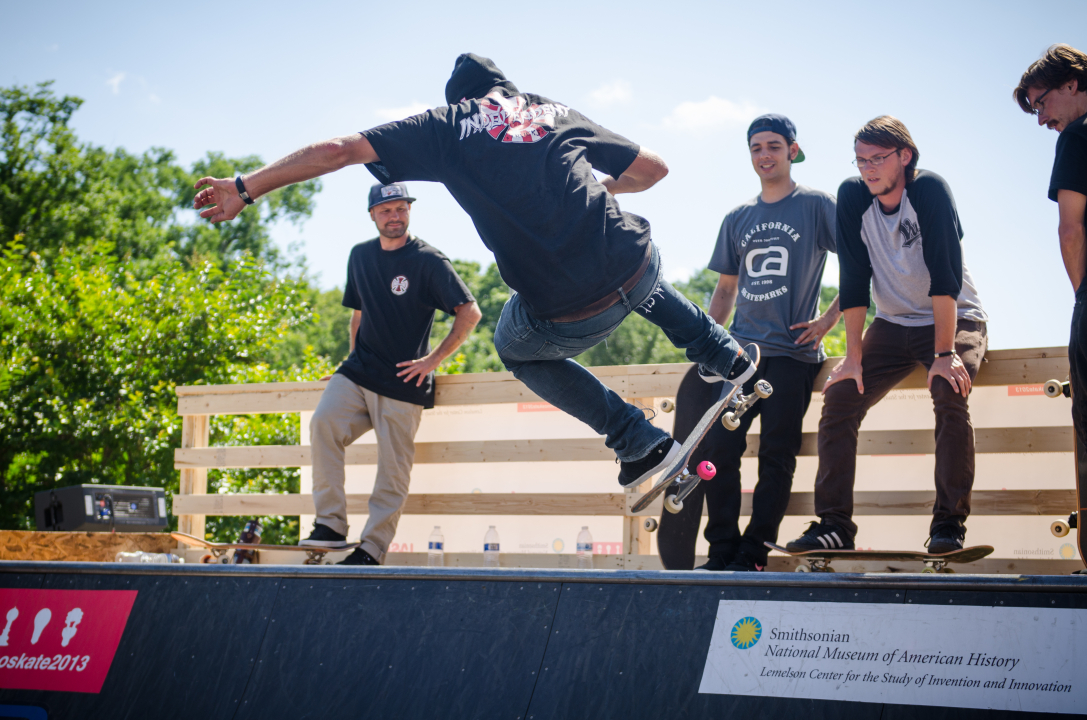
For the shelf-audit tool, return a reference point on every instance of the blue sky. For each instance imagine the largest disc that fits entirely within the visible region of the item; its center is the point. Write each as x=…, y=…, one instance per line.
x=683, y=79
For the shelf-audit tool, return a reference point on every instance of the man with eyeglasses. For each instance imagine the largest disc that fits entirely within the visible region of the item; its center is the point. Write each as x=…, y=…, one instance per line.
x=899, y=231
x=1054, y=88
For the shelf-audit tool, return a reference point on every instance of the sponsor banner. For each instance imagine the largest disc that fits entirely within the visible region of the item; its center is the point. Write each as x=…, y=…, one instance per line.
x=1024, y=390
x=535, y=407
x=966, y=656
x=60, y=639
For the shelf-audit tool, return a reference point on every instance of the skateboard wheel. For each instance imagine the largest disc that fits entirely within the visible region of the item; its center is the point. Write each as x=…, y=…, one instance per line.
x=763, y=389
x=650, y=524
x=730, y=421
x=224, y=560
x=667, y=406
x=1059, y=528
x=929, y=569
x=672, y=505
x=706, y=470
x=802, y=568
x=207, y=559
x=1052, y=388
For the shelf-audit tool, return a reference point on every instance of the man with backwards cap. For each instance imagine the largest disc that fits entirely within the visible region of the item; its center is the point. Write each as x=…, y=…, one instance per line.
x=771, y=251
x=395, y=282
x=521, y=166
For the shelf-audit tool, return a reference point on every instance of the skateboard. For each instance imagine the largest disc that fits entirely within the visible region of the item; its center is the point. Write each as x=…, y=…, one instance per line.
x=736, y=404
x=314, y=555
x=1060, y=528
x=819, y=560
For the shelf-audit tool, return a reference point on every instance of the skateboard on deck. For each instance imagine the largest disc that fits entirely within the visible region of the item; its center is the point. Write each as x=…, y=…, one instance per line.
x=733, y=403
x=314, y=555
x=1060, y=528
x=819, y=560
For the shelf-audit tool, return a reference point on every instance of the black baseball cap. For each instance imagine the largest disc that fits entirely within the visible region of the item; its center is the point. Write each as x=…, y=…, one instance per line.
x=779, y=124
x=387, y=193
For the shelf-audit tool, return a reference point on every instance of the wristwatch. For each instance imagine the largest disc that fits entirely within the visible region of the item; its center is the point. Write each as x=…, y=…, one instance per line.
x=949, y=353
x=241, y=191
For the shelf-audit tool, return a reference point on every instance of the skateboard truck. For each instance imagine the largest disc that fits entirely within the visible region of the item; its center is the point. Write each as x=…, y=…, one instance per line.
x=1060, y=528
x=742, y=403
x=686, y=484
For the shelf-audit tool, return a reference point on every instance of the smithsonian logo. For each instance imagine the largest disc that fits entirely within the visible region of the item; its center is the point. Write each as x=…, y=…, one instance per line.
x=746, y=633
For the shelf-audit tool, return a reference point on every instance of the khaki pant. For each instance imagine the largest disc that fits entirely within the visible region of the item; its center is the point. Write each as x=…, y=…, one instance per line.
x=345, y=412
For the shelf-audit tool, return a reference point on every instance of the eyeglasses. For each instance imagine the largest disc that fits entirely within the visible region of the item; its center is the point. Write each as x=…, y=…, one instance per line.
x=1038, y=106
x=876, y=161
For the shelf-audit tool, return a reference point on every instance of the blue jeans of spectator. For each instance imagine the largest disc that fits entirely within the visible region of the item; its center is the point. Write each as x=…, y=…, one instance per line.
x=538, y=354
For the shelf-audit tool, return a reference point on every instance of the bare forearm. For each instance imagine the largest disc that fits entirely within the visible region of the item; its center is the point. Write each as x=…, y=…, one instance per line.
x=833, y=311
x=309, y=162
x=467, y=317
x=1074, y=251
x=723, y=299
x=854, y=331
x=646, y=171
x=356, y=320
x=944, y=312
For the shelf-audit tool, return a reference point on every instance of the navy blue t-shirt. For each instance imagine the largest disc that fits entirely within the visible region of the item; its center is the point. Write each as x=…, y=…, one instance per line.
x=1070, y=164
x=397, y=292
x=522, y=168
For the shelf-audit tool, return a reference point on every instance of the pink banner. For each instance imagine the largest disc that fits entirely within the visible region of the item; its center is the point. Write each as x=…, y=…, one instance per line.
x=60, y=639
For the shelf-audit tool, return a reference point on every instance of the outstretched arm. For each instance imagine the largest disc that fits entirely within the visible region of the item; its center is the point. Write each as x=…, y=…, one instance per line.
x=219, y=199
x=647, y=170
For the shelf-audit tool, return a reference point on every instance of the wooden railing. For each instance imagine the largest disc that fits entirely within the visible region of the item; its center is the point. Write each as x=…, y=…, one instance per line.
x=646, y=384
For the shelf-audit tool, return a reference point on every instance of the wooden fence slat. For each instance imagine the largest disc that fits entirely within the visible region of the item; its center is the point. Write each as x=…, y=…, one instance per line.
x=1055, y=503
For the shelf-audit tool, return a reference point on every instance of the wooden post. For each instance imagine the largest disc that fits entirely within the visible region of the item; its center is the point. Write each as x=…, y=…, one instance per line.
x=195, y=433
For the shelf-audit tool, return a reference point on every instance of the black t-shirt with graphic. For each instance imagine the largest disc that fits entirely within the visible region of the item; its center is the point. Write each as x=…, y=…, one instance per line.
x=1070, y=164
x=397, y=292
x=521, y=167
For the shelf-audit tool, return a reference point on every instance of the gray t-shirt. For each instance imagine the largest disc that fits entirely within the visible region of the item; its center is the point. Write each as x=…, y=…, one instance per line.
x=778, y=250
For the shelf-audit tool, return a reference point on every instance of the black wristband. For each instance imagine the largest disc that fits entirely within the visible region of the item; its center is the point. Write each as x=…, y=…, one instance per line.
x=241, y=191
x=949, y=353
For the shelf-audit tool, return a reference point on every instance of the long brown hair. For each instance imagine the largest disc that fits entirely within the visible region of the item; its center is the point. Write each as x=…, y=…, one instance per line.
x=887, y=131
x=1060, y=64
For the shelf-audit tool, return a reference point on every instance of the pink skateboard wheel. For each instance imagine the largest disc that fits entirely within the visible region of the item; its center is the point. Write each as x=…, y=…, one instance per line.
x=706, y=470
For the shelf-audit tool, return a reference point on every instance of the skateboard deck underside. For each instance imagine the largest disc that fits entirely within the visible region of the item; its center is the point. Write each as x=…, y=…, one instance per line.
x=966, y=555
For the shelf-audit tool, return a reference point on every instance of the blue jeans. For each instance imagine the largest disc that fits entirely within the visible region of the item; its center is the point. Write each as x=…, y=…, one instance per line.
x=538, y=354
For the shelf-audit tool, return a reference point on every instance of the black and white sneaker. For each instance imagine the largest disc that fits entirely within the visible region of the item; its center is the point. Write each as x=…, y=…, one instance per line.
x=359, y=557
x=324, y=536
x=945, y=537
x=746, y=561
x=638, y=471
x=821, y=536
x=716, y=563
x=743, y=369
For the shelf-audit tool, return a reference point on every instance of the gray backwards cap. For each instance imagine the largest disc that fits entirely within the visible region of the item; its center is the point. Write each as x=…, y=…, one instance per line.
x=779, y=124
x=387, y=193
x=473, y=77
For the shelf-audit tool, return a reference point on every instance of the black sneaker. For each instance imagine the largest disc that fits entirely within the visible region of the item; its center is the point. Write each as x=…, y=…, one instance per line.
x=945, y=537
x=821, y=536
x=715, y=563
x=324, y=536
x=359, y=557
x=746, y=562
x=742, y=369
x=638, y=471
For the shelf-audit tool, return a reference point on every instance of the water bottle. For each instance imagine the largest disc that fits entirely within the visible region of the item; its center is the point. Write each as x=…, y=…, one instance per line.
x=250, y=536
x=435, y=552
x=584, y=549
x=490, y=548
x=146, y=557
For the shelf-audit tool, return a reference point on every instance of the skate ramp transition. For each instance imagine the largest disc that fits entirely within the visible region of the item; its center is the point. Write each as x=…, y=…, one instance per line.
x=328, y=642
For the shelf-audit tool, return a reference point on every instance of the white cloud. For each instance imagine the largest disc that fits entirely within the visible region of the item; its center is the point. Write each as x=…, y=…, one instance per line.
x=399, y=113
x=612, y=93
x=115, y=82
x=711, y=113
x=52, y=48
x=154, y=98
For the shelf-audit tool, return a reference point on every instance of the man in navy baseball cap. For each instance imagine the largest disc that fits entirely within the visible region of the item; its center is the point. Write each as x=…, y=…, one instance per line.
x=387, y=193
x=779, y=124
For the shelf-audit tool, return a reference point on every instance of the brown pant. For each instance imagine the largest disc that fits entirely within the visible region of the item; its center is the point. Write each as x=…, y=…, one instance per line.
x=890, y=353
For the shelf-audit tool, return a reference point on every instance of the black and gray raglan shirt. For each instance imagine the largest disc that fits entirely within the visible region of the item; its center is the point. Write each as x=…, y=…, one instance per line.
x=906, y=257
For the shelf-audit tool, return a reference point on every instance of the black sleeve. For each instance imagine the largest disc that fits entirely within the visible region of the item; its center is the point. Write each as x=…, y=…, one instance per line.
x=855, y=266
x=446, y=290
x=410, y=149
x=606, y=151
x=941, y=233
x=351, y=298
x=1070, y=165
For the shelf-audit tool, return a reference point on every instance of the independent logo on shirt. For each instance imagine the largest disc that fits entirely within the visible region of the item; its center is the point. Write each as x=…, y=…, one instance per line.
x=910, y=233
x=399, y=285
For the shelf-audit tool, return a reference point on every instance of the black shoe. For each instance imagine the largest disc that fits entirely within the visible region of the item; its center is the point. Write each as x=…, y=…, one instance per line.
x=638, y=471
x=324, y=536
x=821, y=536
x=716, y=563
x=746, y=561
x=742, y=369
x=359, y=557
x=945, y=537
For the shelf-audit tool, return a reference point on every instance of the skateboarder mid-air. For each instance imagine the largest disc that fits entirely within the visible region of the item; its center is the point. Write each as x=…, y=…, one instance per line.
x=898, y=230
x=521, y=166
x=770, y=252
